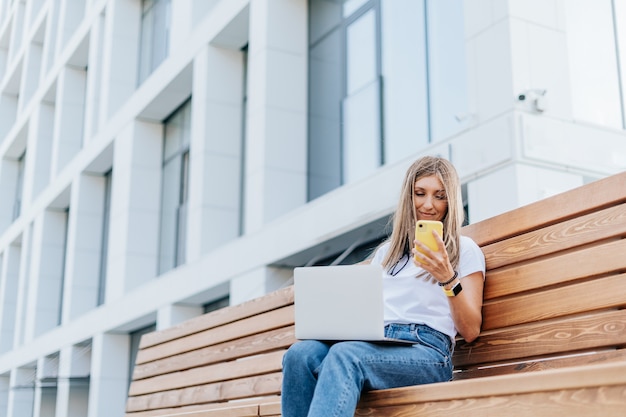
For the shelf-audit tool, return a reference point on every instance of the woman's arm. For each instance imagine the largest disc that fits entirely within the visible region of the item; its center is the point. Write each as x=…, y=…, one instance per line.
x=466, y=307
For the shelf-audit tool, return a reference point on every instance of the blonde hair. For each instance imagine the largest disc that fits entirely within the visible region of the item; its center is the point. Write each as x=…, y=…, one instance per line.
x=402, y=235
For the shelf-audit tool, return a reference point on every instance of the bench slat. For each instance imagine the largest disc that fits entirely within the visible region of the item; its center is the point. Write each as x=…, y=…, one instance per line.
x=251, y=345
x=607, y=258
x=244, y=407
x=609, y=375
x=593, y=357
x=271, y=301
x=568, y=335
x=258, y=386
x=594, y=196
x=602, y=293
x=266, y=363
x=605, y=224
x=231, y=331
x=584, y=402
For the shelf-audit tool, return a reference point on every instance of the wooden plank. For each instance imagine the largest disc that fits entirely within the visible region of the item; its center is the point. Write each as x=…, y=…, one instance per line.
x=584, y=402
x=597, y=195
x=607, y=258
x=256, y=386
x=593, y=227
x=574, y=378
x=223, y=411
x=261, y=364
x=591, y=358
x=271, y=301
x=270, y=409
x=247, y=407
x=252, y=325
x=246, y=346
x=601, y=293
x=599, y=330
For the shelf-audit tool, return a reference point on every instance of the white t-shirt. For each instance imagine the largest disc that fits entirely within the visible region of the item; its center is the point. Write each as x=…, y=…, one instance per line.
x=409, y=299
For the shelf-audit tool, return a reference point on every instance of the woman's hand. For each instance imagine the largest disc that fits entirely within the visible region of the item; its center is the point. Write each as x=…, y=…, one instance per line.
x=437, y=262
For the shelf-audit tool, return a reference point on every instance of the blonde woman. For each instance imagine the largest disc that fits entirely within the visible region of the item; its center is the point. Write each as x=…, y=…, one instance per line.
x=429, y=297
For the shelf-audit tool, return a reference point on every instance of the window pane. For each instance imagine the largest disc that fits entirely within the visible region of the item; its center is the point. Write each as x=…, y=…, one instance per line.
x=361, y=133
x=361, y=52
x=145, y=53
x=593, y=64
x=161, y=33
x=169, y=214
x=404, y=78
x=325, y=94
x=447, y=67
x=155, y=22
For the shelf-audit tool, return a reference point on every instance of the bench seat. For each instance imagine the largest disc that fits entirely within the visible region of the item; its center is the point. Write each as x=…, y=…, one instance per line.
x=552, y=341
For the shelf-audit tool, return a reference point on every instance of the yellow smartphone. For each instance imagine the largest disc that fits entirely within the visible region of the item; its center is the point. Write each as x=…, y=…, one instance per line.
x=424, y=234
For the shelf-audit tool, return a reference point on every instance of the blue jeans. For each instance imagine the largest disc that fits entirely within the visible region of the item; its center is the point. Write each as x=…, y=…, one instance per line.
x=325, y=379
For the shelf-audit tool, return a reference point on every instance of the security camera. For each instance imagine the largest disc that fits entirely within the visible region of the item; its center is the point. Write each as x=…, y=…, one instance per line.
x=536, y=97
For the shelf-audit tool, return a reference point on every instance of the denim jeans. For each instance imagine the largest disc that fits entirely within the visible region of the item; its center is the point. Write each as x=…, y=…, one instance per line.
x=325, y=379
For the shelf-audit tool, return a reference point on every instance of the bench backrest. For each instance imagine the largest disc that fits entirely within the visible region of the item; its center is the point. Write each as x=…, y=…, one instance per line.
x=554, y=296
x=555, y=284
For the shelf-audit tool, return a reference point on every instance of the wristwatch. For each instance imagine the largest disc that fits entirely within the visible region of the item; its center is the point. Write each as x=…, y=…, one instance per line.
x=454, y=291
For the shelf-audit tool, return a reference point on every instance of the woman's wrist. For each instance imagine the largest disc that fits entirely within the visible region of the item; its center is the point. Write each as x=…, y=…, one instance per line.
x=449, y=281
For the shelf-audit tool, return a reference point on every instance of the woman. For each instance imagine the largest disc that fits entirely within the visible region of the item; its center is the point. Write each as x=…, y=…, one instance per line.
x=325, y=379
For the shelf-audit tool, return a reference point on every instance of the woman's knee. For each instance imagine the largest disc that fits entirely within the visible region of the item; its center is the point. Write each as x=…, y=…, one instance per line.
x=306, y=352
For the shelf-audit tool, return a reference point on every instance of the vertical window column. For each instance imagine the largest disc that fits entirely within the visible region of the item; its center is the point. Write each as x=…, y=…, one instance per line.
x=9, y=174
x=134, y=216
x=155, y=34
x=40, y=136
x=46, y=385
x=120, y=55
x=47, y=274
x=93, y=89
x=216, y=141
x=22, y=392
x=108, y=387
x=276, y=124
x=73, y=380
x=175, y=189
x=9, y=280
x=69, y=121
x=4, y=393
x=85, y=231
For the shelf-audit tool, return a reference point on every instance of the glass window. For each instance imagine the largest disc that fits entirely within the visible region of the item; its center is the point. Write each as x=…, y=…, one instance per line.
x=593, y=62
x=447, y=68
x=106, y=216
x=175, y=189
x=405, y=93
x=386, y=78
x=325, y=95
x=155, y=32
x=17, y=207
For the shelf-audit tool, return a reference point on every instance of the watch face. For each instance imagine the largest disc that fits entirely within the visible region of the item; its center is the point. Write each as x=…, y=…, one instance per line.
x=456, y=289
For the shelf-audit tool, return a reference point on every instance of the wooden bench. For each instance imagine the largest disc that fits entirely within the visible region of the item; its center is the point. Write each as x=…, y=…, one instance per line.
x=552, y=343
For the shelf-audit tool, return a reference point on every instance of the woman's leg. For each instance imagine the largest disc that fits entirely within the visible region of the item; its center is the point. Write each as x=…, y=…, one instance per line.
x=350, y=367
x=301, y=365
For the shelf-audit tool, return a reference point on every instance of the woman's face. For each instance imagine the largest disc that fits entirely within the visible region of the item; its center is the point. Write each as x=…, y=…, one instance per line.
x=430, y=199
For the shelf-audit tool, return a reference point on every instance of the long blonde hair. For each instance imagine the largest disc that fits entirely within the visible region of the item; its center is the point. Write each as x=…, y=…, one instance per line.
x=402, y=235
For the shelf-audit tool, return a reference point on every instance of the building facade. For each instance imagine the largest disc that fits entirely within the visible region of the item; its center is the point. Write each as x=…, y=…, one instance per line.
x=163, y=158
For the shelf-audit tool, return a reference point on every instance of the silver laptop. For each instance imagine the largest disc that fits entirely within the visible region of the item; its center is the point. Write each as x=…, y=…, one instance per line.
x=343, y=302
